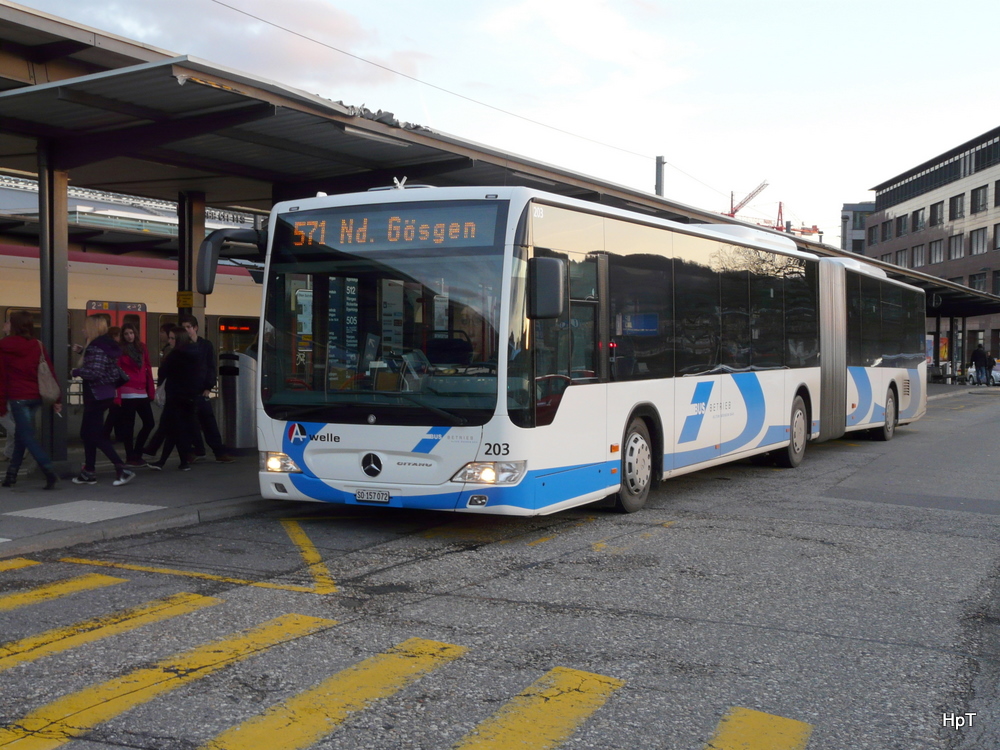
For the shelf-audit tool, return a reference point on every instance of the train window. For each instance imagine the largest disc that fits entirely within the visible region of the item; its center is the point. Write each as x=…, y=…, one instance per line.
x=237, y=334
x=36, y=316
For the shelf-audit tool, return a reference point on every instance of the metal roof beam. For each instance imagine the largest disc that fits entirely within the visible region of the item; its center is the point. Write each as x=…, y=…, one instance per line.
x=103, y=103
x=283, y=144
x=362, y=181
x=71, y=152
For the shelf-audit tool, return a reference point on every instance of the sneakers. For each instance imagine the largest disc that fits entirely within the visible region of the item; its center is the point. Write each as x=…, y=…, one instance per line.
x=185, y=467
x=224, y=459
x=137, y=463
x=155, y=466
x=124, y=477
x=85, y=477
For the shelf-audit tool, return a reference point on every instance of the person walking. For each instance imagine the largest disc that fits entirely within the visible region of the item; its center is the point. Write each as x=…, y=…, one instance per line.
x=100, y=373
x=181, y=381
x=136, y=396
x=20, y=353
x=979, y=360
x=207, y=373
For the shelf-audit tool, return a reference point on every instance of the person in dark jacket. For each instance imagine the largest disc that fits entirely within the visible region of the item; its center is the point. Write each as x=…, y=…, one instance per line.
x=979, y=360
x=206, y=415
x=20, y=352
x=182, y=382
x=99, y=371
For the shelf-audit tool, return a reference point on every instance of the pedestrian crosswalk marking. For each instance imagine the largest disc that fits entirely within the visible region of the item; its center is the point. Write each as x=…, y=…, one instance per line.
x=77, y=714
x=743, y=729
x=545, y=714
x=49, y=591
x=308, y=717
x=63, y=639
x=16, y=563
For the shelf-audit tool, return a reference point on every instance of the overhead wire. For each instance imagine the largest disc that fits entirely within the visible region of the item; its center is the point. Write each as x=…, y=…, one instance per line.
x=444, y=90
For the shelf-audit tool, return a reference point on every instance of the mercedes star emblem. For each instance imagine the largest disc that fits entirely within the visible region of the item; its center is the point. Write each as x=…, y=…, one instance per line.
x=371, y=465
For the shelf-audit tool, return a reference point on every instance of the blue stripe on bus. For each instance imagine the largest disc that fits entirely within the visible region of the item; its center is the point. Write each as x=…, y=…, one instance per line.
x=692, y=425
x=535, y=492
x=753, y=397
x=864, y=386
x=430, y=442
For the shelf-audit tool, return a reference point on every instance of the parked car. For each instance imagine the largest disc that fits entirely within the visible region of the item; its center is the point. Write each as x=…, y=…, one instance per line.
x=970, y=376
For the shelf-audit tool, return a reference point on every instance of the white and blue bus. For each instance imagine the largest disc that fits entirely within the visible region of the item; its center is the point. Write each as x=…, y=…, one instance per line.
x=510, y=351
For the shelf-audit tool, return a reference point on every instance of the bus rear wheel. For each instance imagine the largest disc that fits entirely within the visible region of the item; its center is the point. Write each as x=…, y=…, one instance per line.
x=637, y=468
x=792, y=455
x=888, y=428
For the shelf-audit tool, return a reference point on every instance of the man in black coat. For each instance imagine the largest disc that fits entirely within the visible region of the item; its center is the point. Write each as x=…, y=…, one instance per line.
x=207, y=374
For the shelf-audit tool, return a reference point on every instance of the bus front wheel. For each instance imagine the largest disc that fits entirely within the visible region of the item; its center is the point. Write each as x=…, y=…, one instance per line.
x=637, y=468
x=792, y=455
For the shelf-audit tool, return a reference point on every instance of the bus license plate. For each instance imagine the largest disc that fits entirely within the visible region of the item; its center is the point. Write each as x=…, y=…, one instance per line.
x=372, y=496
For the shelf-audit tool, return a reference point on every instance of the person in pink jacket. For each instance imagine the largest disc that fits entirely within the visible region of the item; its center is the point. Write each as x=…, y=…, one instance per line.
x=136, y=396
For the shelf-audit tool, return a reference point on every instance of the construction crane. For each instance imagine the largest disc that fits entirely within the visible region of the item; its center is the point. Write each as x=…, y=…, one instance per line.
x=734, y=208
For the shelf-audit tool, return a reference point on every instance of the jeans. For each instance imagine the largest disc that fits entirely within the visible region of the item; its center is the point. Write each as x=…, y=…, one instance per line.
x=125, y=425
x=206, y=419
x=23, y=412
x=981, y=378
x=93, y=435
x=180, y=423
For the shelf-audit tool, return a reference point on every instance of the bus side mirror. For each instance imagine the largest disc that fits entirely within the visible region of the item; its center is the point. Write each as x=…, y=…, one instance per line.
x=546, y=288
x=211, y=246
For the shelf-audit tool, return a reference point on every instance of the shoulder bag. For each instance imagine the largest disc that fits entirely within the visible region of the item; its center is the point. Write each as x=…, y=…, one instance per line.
x=48, y=388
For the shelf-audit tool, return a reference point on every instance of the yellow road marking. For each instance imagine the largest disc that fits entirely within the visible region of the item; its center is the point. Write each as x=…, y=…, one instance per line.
x=188, y=574
x=743, y=729
x=324, y=583
x=16, y=563
x=62, y=639
x=545, y=714
x=539, y=541
x=308, y=717
x=320, y=573
x=55, y=590
x=77, y=714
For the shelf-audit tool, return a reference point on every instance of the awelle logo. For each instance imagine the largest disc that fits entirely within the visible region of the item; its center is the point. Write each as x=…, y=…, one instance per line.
x=297, y=434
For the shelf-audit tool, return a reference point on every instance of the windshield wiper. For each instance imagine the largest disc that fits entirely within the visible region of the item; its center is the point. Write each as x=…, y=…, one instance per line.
x=453, y=418
x=290, y=412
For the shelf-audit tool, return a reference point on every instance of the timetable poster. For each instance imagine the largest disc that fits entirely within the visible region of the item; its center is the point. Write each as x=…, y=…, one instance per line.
x=342, y=340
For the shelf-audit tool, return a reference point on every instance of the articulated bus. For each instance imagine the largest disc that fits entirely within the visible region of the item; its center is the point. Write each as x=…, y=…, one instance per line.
x=509, y=351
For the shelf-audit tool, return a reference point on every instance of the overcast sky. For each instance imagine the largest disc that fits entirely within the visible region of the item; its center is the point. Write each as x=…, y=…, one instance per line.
x=823, y=99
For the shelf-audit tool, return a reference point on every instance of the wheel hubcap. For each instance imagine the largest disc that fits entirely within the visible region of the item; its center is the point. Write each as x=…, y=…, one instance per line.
x=638, y=463
x=798, y=431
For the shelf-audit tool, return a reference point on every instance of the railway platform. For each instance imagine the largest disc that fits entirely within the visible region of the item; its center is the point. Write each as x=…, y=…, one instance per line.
x=32, y=519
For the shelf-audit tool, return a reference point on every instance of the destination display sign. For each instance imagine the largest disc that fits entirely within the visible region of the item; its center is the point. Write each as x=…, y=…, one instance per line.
x=399, y=225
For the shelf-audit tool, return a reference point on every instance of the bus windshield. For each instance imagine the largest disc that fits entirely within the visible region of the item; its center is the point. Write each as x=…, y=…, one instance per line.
x=384, y=314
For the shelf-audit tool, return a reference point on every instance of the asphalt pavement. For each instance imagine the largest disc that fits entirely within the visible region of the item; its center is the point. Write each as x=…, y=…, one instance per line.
x=33, y=519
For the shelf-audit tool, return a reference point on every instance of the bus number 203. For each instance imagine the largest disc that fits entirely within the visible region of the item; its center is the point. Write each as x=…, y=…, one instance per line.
x=497, y=449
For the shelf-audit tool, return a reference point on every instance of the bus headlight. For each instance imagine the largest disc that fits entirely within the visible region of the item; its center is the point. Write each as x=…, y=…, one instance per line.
x=278, y=462
x=492, y=472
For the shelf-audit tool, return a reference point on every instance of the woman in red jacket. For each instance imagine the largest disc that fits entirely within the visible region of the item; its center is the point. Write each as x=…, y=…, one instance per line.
x=19, y=355
x=136, y=395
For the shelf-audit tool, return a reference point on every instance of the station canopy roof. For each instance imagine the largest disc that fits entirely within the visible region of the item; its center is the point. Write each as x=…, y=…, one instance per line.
x=140, y=122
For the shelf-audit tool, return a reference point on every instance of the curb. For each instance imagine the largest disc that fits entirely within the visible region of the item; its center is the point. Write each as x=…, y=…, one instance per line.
x=157, y=520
